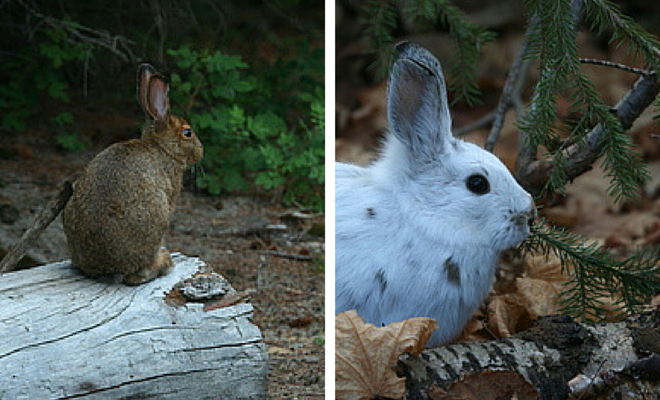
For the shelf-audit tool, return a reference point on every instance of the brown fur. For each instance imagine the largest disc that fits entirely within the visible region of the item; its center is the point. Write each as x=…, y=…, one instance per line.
x=118, y=215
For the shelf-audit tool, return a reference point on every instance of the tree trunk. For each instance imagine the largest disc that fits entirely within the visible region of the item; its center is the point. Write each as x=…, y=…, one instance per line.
x=558, y=356
x=65, y=336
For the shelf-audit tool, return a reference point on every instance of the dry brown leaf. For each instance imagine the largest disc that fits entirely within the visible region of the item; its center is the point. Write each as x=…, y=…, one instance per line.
x=538, y=297
x=364, y=355
x=475, y=330
x=547, y=268
x=506, y=315
x=655, y=302
x=488, y=385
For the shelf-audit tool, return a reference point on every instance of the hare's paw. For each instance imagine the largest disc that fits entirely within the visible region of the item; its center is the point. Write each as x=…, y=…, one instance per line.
x=164, y=262
x=141, y=277
x=162, y=265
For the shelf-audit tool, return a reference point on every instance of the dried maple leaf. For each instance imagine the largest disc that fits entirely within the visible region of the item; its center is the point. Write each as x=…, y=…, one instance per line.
x=507, y=315
x=537, y=296
x=364, y=355
x=545, y=267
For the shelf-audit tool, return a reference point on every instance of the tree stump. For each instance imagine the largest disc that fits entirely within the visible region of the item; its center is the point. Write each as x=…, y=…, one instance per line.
x=65, y=336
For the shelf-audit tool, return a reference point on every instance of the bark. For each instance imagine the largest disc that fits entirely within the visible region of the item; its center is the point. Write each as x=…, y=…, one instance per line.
x=555, y=351
x=533, y=174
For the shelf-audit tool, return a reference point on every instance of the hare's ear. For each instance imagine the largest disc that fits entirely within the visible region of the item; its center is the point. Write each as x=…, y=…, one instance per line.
x=158, y=102
x=417, y=102
x=144, y=74
x=152, y=92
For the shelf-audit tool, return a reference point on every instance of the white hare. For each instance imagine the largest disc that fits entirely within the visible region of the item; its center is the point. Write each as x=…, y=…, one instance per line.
x=419, y=232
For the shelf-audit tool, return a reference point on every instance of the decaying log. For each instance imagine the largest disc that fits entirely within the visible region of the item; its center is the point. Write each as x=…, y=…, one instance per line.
x=551, y=354
x=65, y=336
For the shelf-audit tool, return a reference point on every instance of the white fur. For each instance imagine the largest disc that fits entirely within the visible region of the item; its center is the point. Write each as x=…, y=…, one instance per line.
x=399, y=220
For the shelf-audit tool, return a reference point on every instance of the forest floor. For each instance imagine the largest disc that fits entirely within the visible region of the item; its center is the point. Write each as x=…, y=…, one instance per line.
x=230, y=233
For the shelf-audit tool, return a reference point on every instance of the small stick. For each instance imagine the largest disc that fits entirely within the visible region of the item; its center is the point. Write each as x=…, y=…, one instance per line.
x=229, y=300
x=605, y=63
x=483, y=121
x=506, y=100
x=45, y=217
x=298, y=257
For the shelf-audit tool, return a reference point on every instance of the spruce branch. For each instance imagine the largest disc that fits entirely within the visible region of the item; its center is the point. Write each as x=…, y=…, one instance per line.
x=468, y=40
x=595, y=273
x=573, y=155
x=534, y=174
x=604, y=14
x=380, y=21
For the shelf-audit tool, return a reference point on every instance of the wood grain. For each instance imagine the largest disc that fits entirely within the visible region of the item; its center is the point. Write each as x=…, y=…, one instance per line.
x=64, y=336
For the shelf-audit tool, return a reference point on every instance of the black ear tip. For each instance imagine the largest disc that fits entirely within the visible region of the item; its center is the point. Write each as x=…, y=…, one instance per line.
x=404, y=49
x=419, y=56
x=146, y=67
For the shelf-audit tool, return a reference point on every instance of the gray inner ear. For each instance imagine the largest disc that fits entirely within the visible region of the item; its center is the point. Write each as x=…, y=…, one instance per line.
x=417, y=108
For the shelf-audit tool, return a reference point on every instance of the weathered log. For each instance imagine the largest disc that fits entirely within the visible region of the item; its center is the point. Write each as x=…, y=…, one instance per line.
x=599, y=361
x=65, y=336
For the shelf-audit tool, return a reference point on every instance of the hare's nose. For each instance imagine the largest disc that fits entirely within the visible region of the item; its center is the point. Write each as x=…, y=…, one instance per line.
x=531, y=213
x=526, y=217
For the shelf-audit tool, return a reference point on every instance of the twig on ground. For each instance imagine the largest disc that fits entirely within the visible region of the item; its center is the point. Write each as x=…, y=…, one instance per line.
x=45, y=217
x=299, y=257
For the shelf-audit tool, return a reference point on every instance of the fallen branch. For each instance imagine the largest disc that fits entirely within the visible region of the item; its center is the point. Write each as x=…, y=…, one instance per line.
x=41, y=222
x=549, y=355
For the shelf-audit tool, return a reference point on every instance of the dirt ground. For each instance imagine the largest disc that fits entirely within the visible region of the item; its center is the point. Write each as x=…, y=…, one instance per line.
x=238, y=236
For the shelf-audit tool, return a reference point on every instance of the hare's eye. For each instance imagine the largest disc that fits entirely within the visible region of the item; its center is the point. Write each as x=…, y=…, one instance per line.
x=187, y=132
x=477, y=184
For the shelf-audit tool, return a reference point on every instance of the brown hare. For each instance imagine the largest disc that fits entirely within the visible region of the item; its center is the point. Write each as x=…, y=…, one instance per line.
x=119, y=213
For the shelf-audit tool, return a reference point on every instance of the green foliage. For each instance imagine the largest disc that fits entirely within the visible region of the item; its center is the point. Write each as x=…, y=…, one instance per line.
x=68, y=140
x=320, y=339
x=553, y=41
x=596, y=273
x=605, y=15
x=247, y=136
x=468, y=41
x=381, y=21
x=35, y=75
x=71, y=142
